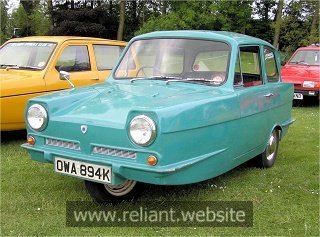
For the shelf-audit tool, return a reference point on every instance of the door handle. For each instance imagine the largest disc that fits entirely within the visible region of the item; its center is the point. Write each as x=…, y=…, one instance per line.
x=95, y=78
x=268, y=95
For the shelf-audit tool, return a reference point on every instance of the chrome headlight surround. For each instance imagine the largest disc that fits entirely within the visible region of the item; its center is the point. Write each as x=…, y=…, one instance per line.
x=142, y=130
x=37, y=117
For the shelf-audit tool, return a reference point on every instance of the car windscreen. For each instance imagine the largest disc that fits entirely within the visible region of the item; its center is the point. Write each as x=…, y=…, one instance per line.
x=26, y=55
x=175, y=58
x=306, y=57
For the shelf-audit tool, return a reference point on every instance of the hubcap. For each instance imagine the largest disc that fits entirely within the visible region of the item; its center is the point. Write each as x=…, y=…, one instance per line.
x=272, y=146
x=121, y=189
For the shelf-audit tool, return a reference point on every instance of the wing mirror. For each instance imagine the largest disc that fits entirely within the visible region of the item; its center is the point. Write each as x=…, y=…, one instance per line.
x=65, y=76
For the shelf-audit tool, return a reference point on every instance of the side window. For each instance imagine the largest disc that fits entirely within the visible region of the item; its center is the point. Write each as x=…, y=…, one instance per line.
x=74, y=59
x=106, y=56
x=271, y=65
x=249, y=65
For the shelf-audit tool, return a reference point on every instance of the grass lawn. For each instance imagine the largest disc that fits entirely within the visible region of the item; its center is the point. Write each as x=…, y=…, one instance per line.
x=285, y=197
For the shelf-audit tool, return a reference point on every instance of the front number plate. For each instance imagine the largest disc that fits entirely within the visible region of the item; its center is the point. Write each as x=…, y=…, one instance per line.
x=83, y=170
x=298, y=96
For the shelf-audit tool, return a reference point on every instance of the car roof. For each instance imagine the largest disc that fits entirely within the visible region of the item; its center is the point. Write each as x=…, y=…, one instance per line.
x=310, y=47
x=230, y=37
x=59, y=39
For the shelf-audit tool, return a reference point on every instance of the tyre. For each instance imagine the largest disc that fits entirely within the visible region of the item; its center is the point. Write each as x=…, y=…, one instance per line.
x=104, y=193
x=267, y=158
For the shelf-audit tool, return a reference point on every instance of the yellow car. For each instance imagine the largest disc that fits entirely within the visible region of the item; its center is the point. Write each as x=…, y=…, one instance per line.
x=31, y=67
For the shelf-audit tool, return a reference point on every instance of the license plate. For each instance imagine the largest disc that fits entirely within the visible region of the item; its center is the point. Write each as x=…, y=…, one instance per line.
x=298, y=96
x=83, y=170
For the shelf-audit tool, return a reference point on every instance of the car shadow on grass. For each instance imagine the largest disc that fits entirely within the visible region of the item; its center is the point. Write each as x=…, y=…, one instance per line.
x=10, y=136
x=181, y=192
x=307, y=102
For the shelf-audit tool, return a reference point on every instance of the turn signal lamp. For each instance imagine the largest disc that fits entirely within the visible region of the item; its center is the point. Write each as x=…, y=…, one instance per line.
x=31, y=140
x=152, y=160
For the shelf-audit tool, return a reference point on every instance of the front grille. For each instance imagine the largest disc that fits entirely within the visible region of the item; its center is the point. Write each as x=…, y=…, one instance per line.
x=114, y=152
x=63, y=144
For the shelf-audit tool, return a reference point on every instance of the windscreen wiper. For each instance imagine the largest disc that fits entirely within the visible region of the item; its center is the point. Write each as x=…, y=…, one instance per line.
x=30, y=67
x=15, y=66
x=191, y=79
x=155, y=78
x=8, y=66
x=303, y=63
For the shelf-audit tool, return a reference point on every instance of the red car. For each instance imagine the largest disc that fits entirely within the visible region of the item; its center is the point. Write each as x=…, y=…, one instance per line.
x=303, y=69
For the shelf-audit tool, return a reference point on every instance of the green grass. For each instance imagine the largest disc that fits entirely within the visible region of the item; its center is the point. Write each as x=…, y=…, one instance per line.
x=285, y=197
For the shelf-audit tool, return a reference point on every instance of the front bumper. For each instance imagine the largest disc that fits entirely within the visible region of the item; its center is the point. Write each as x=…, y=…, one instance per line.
x=173, y=174
x=307, y=92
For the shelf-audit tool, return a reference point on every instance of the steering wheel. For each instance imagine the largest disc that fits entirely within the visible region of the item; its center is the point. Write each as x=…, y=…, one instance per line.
x=144, y=67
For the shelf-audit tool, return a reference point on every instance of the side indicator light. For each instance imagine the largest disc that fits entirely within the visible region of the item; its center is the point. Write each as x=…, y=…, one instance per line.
x=152, y=160
x=31, y=140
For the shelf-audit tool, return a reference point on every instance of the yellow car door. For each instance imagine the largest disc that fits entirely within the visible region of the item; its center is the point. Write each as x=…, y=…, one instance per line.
x=78, y=60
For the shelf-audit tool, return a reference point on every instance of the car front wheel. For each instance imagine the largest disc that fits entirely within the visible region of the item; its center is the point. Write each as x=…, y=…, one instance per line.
x=104, y=193
x=267, y=158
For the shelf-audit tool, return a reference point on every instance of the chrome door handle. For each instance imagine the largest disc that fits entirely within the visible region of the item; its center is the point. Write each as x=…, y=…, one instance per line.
x=268, y=95
x=95, y=78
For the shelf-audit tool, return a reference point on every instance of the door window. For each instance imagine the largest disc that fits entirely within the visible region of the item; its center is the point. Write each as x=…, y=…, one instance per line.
x=248, y=69
x=271, y=65
x=106, y=56
x=74, y=59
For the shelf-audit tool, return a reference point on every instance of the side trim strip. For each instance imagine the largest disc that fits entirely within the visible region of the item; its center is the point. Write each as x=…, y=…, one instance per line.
x=37, y=92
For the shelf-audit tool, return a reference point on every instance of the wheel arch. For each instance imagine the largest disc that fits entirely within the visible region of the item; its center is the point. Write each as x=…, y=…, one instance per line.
x=279, y=128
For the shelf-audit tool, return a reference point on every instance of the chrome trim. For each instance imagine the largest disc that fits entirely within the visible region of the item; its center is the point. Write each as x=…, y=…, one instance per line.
x=114, y=152
x=44, y=114
x=152, y=126
x=62, y=144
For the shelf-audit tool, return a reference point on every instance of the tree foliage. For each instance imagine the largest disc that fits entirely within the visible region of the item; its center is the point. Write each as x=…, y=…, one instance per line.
x=297, y=24
x=201, y=15
x=3, y=21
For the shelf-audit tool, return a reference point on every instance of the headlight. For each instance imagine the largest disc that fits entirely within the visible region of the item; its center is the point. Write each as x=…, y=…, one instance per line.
x=142, y=130
x=308, y=84
x=37, y=117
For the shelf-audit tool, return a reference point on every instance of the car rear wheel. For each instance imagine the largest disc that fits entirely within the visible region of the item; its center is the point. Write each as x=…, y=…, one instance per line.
x=104, y=193
x=267, y=158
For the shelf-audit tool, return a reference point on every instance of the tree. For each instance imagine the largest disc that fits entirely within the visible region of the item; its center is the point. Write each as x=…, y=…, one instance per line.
x=278, y=24
x=203, y=15
x=3, y=21
x=121, y=19
x=40, y=20
x=314, y=32
x=20, y=22
x=235, y=15
x=296, y=25
x=37, y=22
x=28, y=5
x=264, y=9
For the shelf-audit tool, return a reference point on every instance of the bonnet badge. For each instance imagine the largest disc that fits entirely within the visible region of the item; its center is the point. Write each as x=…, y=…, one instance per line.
x=84, y=128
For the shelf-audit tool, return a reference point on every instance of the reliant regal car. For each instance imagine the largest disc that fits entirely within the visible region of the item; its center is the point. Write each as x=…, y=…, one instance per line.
x=179, y=108
x=303, y=69
x=30, y=67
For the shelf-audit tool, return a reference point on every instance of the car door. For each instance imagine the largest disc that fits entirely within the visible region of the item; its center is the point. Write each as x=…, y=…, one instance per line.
x=78, y=60
x=271, y=73
x=255, y=98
